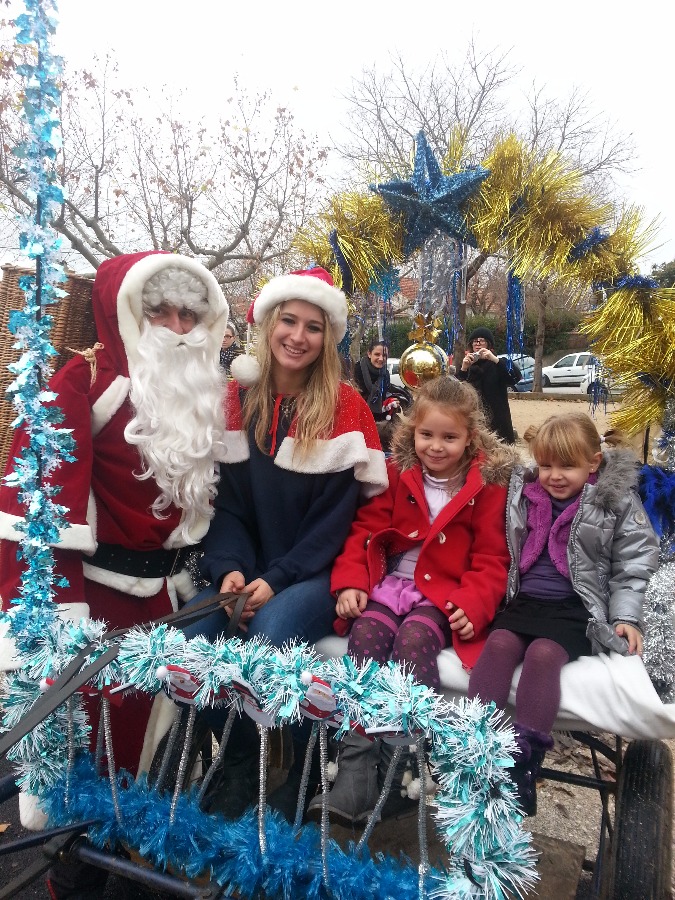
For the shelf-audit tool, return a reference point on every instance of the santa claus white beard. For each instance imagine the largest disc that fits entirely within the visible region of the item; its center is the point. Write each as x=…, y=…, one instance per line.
x=177, y=395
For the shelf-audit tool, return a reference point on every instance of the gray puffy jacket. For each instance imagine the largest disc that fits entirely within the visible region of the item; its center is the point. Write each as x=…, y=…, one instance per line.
x=612, y=549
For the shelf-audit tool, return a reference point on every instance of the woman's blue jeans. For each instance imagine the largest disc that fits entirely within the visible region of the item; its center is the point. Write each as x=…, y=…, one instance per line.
x=302, y=612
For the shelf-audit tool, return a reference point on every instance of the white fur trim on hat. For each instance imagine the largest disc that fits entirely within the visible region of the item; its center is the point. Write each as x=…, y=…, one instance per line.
x=303, y=287
x=30, y=812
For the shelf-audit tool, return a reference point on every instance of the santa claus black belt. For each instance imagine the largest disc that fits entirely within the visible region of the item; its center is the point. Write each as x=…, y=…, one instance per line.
x=139, y=563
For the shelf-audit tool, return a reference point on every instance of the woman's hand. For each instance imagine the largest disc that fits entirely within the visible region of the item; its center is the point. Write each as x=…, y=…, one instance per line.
x=467, y=361
x=632, y=635
x=259, y=590
x=350, y=603
x=459, y=622
x=261, y=593
x=232, y=583
x=484, y=353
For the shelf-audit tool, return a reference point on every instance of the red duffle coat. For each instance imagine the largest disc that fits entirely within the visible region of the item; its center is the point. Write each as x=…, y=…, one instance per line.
x=464, y=557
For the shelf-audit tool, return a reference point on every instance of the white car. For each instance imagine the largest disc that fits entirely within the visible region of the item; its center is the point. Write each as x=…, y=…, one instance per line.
x=394, y=377
x=569, y=371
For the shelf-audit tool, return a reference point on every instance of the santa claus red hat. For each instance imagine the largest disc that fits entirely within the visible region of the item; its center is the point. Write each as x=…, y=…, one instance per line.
x=312, y=285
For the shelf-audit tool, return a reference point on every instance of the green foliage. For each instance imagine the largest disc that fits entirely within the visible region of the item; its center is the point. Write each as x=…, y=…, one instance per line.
x=396, y=335
x=665, y=274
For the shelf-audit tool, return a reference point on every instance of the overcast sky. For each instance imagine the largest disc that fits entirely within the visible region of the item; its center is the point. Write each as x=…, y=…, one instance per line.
x=308, y=51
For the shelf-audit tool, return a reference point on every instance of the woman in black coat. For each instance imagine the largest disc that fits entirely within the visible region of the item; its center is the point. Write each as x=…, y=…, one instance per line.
x=491, y=377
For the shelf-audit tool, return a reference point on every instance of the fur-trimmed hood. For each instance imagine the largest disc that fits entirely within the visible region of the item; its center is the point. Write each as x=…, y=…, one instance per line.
x=618, y=473
x=496, y=462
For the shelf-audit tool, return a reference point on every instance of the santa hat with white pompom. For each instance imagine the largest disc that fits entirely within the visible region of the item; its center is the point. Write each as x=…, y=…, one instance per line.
x=312, y=285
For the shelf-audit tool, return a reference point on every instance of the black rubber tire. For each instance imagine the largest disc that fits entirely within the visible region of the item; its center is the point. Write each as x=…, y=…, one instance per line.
x=546, y=381
x=641, y=856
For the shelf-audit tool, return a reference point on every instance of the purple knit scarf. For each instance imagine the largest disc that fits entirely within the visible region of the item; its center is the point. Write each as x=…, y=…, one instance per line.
x=539, y=518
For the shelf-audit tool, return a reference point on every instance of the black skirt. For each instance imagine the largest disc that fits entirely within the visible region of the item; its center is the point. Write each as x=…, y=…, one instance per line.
x=563, y=621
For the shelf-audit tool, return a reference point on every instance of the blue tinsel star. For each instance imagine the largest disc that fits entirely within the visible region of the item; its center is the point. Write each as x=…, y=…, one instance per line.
x=431, y=200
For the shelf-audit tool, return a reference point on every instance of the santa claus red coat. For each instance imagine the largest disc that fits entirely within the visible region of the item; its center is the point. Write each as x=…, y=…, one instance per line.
x=107, y=505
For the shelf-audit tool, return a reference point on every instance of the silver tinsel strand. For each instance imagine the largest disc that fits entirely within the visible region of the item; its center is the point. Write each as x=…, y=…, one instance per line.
x=219, y=755
x=422, y=818
x=112, y=774
x=183, y=764
x=262, y=796
x=376, y=814
x=304, y=781
x=659, y=649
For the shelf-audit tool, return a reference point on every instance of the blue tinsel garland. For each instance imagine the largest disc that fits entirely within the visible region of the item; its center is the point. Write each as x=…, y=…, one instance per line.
x=471, y=749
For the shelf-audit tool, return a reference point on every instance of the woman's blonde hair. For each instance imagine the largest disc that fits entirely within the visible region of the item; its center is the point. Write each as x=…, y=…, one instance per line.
x=569, y=439
x=315, y=406
x=455, y=398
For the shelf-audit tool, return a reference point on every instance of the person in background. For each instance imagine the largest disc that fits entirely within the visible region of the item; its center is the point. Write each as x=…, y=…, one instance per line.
x=230, y=349
x=582, y=552
x=492, y=377
x=373, y=382
x=424, y=566
x=146, y=411
x=302, y=448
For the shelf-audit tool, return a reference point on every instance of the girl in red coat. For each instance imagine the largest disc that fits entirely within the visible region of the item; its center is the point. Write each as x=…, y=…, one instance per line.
x=425, y=564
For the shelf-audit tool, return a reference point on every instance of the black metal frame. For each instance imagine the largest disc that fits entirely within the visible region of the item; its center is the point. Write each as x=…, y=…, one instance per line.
x=605, y=788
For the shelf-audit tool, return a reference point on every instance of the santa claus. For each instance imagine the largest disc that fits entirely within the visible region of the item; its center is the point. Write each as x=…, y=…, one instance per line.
x=145, y=409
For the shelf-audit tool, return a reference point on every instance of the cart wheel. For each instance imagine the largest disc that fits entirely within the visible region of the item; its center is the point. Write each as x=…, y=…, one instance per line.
x=641, y=854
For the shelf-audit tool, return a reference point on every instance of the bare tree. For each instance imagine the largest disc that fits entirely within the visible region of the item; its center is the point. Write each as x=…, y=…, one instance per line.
x=139, y=175
x=589, y=141
x=387, y=109
x=473, y=100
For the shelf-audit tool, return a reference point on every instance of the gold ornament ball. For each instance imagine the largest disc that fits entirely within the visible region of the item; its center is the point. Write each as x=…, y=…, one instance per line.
x=421, y=362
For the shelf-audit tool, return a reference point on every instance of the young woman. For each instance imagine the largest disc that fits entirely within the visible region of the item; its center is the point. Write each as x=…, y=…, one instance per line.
x=230, y=349
x=582, y=552
x=385, y=400
x=301, y=448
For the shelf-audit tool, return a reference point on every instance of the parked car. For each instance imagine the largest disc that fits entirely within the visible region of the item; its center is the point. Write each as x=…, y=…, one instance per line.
x=569, y=371
x=526, y=366
x=394, y=377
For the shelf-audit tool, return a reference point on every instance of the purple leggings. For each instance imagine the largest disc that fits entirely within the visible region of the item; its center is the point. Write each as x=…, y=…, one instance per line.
x=538, y=692
x=415, y=639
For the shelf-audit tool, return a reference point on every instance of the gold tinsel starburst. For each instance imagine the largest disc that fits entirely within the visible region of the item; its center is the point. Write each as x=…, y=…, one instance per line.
x=618, y=254
x=490, y=211
x=369, y=237
x=633, y=332
x=426, y=329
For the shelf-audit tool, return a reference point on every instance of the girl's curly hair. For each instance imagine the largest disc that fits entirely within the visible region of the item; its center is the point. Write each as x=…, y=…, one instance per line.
x=455, y=398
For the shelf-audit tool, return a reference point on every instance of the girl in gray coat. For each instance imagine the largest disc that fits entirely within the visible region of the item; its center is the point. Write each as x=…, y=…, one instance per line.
x=582, y=551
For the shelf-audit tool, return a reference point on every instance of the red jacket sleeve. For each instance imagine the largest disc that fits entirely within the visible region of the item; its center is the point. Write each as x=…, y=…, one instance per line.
x=483, y=585
x=350, y=569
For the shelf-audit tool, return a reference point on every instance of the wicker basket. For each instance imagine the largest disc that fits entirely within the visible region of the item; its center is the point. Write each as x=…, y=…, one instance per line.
x=73, y=327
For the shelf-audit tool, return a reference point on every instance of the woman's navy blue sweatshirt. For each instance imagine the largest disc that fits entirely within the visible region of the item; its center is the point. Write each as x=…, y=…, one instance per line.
x=271, y=523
